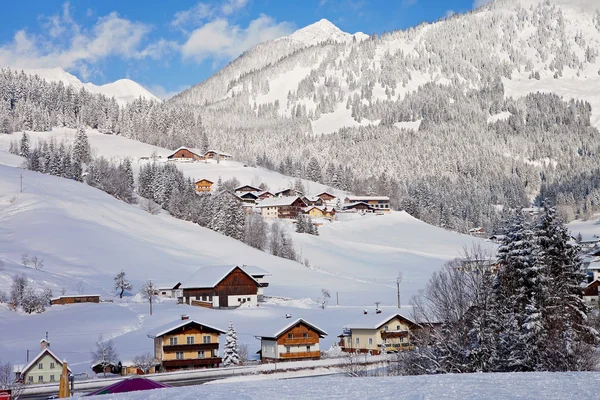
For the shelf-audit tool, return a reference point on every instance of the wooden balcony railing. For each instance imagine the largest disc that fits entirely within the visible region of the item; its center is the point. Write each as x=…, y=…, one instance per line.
x=190, y=347
x=304, y=354
x=192, y=362
x=297, y=341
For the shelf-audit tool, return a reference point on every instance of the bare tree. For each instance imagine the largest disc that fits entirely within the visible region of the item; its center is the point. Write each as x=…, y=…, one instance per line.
x=8, y=380
x=37, y=262
x=121, y=283
x=324, y=299
x=25, y=259
x=105, y=354
x=150, y=207
x=354, y=364
x=145, y=362
x=80, y=287
x=17, y=290
x=148, y=291
x=243, y=353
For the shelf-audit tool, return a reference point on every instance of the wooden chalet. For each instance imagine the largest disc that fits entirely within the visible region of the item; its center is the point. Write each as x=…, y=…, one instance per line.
x=374, y=333
x=298, y=340
x=319, y=212
x=184, y=154
x=379, y=203
x=590, y=292
x=281, y=207
x=186, y=344
x=246, y=188
x=77, y=298
x=226, y=286
x=312, y=201
x=358, y=207
x=288, y=192
x=204, y=185
x=327, y=197
x=247, y=197
x=46, y=367
x=265, y=195
x=214, y=154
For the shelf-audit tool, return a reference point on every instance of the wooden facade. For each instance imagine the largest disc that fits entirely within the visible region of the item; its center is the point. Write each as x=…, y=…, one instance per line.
x=265, y=195
x=185, y=154
x=246, y=188
x=363, y=207
x=298, y=341
x=291, y=211
x=187, y=345
x=328, y=197
x=75, y=299
x=236, y=283
x=212, y=155
x=204, y=185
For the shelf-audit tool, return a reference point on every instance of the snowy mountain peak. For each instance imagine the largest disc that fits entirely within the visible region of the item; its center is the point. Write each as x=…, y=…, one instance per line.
x=320, y=31
x=123, y=90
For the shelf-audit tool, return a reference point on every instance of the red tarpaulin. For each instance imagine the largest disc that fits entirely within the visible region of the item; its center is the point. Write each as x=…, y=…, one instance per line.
x=130, y=385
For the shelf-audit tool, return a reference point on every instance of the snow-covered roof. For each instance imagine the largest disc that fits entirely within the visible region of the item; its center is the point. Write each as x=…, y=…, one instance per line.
x=322, y=208
x=275, y=329
x=74, y=295
x=168, y=285
x=278, y=201
x=204, y=179
x=322, y=193
x=286, y=189
x=367, y=198
x=242, y=195
x=221, y=153
x=40, y=355
x=373, y=320
x=164, y=329
x=182, y=148
x=255, y=271
x=250, y=186
x=209, y=277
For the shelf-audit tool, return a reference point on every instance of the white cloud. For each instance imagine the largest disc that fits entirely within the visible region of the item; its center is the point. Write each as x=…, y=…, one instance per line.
x=480, y=3
x=194, y=15
x=219, y=39
x=64, y=44
x=232, y=6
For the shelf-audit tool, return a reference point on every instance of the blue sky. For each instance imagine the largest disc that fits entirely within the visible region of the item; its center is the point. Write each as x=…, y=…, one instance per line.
x=170, y=45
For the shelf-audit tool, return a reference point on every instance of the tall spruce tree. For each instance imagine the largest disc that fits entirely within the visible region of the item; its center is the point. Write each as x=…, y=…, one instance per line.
x=231, y=352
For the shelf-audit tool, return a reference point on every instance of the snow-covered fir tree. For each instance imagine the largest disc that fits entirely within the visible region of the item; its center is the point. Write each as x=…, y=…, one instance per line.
x=231, y=351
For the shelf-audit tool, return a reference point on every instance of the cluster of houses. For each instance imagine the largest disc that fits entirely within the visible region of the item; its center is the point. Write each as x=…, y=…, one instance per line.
x=183, y=154
x=289, y=203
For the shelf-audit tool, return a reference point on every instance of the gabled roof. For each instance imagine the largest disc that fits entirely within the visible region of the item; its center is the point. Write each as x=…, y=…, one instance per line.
x=203, y=179
x=255, y=271
x=270, y=332
x=42, y=353
x=247, y=194
x=164, y=329
x=321, y=208
x=209, y=277
x=249, y=186
x=286, y=189
x=375, y=321
x=221, y=153
x=322, y=193
x=182, y=148
x=366, y=198
x=280, y=201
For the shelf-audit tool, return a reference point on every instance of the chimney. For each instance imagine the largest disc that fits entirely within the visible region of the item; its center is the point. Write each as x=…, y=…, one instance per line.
x=44, y=344
x=184, y=317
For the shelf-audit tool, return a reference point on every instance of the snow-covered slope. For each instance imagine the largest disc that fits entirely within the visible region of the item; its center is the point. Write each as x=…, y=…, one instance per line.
x=123, y=90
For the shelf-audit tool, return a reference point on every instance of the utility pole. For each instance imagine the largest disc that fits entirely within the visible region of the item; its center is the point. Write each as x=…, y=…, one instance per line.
x=337, y=298
x=398, y=280
x=21, y=178
x=377, y=303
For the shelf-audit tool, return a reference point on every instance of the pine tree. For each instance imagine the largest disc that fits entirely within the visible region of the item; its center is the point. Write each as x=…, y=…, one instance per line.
x=81, y=147
x=231, y=352
x=24, y=146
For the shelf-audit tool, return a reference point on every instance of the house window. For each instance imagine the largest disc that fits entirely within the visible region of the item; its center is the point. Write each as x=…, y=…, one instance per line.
x=370, y=340
x=357, y=340
x=287, y=349
x=30, y=379
x=197, y=297
x=305, y=335
x=40, y=378
x=40, y=366
x=179, y=355
x=52, y=365
x=51, y=378
x=290, y=335
x=401, y=340
x=205, y=339
x=201, y=354
x=190, y=340
x=239, y=300
x=385, y=328
x=398, y=327
x=248, y=298
x=173, y=341
x=308, y=348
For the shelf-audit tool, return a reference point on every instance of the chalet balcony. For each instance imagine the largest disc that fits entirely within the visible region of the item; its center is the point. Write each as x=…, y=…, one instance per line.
x=190, y=347
x=303, y=354
x=192, y=363
x=300, y=341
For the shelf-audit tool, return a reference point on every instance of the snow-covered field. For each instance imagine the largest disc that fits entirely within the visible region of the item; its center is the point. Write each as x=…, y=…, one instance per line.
x=525, y=386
